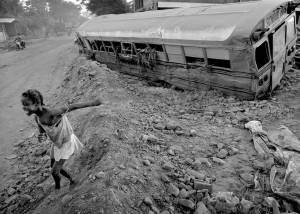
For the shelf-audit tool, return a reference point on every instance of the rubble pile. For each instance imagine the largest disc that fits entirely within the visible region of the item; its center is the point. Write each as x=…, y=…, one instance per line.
x=31, y=167
x=154, y=150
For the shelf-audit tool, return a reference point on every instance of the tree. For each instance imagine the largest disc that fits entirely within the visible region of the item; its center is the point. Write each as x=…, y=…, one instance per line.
x=37, y=14
x=102, y=7
x=64, y=11
x=10, y=8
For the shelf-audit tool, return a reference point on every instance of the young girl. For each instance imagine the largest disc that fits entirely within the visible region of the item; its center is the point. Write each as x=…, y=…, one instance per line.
x=54, y=123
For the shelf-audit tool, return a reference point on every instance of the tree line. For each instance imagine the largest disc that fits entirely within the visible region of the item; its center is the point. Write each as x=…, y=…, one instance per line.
x=53, y=14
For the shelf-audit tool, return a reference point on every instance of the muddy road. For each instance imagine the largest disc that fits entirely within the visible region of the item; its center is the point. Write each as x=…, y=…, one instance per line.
x=41, y=66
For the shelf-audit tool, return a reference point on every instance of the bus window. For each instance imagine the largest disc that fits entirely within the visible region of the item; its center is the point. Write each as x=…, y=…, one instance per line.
x=218, y=57
x=262, y=55
x=290, y=29
x=278, y=41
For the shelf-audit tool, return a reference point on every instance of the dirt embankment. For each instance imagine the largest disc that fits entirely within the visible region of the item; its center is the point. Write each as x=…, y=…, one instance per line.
x=152, y=150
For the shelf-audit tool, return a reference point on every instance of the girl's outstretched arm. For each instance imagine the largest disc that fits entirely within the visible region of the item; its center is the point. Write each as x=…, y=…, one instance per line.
x=75, y=106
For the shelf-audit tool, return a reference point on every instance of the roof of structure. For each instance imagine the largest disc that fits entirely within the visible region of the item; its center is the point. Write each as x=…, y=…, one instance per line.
x=218, y=23
x=8, y=20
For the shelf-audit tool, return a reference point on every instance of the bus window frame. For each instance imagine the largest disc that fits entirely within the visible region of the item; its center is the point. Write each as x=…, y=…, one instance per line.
x=258, y=44
x=87, y=44
x=295, y=29
x=285, y=39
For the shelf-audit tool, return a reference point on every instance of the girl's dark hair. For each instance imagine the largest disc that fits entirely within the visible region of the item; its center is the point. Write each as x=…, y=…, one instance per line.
x=35, y=96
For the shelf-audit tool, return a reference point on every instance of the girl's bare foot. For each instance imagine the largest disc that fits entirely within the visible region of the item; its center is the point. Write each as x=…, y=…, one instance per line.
x=73, y=184
x=56, y=191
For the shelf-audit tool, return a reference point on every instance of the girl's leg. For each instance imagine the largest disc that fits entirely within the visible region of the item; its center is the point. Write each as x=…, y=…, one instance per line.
x=63, y=172
x=55, y=171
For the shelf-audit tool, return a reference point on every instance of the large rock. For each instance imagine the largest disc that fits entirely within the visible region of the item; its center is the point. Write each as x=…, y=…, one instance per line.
x=197, y=175
x=168, y=166
x=151, y=159
x=247, y=177
x=11, y=191
x=148, y=201
x=202, y=161
x=11, y=198
x=155, y=209
x=211, y=209
x=222, y=153
x=100, y=175
x=152, y=139
x=159, y=126
x=173, y=190
x=201, y=209
x=165, y=178
x=146, y=162
x=218, y=160
x=171, y=125
x=176, y=148
x=25, y=199
x=66, y=199
x=40, y=151
x=186, y=203
x=182, y=193
x=258, y=165
x=198, y=185
x=245, y=206
x=188, y=161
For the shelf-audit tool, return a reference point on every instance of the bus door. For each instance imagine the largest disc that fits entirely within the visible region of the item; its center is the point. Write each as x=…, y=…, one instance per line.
x=279, y=55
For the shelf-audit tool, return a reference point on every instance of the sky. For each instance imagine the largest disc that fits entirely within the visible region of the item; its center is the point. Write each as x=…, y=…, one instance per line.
x=83, y=9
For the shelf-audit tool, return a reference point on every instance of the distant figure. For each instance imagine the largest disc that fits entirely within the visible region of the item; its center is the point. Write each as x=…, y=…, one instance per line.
x=55, y=28
x=53, y=122
x=69, y=30
x=19, y=42
x=46, y=32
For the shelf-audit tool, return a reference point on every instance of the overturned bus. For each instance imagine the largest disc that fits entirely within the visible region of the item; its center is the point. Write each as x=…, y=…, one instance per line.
x=240, y=49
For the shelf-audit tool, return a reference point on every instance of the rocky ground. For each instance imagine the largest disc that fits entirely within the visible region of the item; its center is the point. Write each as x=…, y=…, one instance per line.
x=150, y=149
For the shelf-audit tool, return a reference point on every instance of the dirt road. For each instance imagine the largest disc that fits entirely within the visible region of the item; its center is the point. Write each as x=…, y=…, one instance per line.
x=41, y=66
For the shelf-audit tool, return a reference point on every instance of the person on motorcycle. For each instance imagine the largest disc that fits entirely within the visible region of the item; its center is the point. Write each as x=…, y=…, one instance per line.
x=19, y=42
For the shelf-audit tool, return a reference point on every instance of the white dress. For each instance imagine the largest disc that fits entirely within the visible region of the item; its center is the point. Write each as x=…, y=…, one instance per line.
x=64, y=141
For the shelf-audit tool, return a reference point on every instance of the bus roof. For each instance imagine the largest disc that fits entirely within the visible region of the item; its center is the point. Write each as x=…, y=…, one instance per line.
x=225, y=23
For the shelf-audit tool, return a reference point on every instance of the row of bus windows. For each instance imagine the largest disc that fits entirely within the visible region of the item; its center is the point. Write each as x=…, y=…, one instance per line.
x=165, y=53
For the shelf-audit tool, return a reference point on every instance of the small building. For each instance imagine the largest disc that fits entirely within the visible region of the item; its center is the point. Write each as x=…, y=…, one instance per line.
x=9, y=27
x=140, y=5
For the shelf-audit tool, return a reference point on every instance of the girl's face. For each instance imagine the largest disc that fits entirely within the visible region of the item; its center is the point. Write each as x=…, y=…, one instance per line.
x=29, y=106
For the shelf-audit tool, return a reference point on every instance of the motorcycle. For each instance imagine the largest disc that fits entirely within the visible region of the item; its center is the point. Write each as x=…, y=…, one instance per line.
x=20, y=45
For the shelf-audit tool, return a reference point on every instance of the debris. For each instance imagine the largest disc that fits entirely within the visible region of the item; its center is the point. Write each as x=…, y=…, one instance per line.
x=66, y=199
x=284, y=138
x=148, y=201
x=197, y=175
x=201, y=209
x=201, y=186
x=173, y=190
x=168, y=166
x=222, y=153
x=218, y=160
x=11, y=157
x=245, y=206
x=100, y=175
x=186, y=203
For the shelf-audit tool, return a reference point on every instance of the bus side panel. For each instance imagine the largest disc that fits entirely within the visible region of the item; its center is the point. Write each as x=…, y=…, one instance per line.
x=229, y=83
x=107, y=59
x=239, y=61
